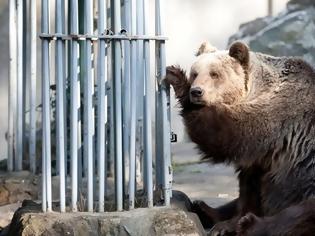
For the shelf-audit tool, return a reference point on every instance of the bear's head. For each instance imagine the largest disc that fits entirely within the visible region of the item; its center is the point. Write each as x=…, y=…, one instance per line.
x=219, y=76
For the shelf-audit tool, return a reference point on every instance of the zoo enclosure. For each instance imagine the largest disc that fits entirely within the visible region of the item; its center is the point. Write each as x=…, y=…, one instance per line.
x=97, y=96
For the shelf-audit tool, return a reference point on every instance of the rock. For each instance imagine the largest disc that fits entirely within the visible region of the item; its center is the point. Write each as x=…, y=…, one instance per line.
x=29, y=221
x=6, y=214
x=291, y=33
x=17, y=186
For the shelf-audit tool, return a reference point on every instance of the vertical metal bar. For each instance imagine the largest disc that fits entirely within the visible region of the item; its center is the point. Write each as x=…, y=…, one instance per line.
x=75, y=98
x=33, y=51
x=270, y=7
x=101, y=105
x=60, y=105
x=65, y=21
x=126, y=89
x=25, y=73
x=44, y=181
x=163, y=135
x=46, y=105
x=147, y=110
x=19, y=92
x=133, y=108
x=88, y=103
x=140, y=88
x=118, y=115
x=12, y=83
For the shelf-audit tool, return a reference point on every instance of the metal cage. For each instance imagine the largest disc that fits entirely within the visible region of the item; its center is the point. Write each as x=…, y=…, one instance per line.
x=98, y=99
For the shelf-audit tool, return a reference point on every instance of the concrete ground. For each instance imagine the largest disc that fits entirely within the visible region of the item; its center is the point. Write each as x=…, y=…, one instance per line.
x=215, y=184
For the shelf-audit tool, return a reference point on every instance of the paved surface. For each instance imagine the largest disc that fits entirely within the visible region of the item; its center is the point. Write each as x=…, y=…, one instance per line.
x=215, y=184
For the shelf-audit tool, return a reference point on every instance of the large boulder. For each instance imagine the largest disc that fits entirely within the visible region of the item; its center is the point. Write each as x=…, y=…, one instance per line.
x=291, y=33
x=29, y=221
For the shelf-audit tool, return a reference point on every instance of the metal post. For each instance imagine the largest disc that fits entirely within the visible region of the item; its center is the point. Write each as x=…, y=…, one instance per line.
x=126, y=89
x=101, y=105
x=163, y=153
x=60, y=126
x=12, y=83
x=33, y=68
x=46, y=171
x=74, y=116
x=118, y=115
x=147, y=110
x=133, y=109
x=88, y=103
x=140, y=86
x=19, y=92
x=270, y=7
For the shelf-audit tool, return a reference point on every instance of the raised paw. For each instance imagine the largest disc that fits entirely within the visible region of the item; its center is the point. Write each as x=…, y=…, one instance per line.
x=175, y=75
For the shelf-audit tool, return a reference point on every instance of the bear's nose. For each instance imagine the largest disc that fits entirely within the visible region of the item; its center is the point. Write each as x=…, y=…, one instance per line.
x=196, y=92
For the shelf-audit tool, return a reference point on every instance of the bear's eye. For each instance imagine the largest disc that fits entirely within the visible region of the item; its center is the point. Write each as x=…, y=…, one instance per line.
x=194, y=74
x=214, y=75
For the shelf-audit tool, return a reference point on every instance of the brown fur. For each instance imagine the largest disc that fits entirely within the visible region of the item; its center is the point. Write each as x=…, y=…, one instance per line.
x=267, y=131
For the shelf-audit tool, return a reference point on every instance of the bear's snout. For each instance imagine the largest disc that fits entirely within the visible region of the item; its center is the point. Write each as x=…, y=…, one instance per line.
x=196, y=92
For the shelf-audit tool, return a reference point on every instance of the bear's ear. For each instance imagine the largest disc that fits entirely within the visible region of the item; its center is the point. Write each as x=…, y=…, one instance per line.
x=205, y=47
x=240, y=52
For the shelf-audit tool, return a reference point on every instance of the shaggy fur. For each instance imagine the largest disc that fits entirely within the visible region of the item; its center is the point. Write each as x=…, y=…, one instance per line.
x=267, y=131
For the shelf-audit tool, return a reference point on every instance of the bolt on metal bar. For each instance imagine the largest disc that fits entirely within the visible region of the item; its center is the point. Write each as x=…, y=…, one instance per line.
x=163, y=135
x=117, y=107
x=88, y=104
x=147, y=111
x=133, y=109
x=12, y=83
x=101, y=105
x=33, y=92
x=19, y=92
x=74, y=113
x=60, y=124
x=46, y=171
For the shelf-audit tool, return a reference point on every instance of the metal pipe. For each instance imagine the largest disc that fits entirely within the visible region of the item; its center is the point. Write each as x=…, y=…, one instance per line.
x=60, y=124
x=75, y=101
x=126, y=90
x=140, y=89
x=101, y=105
x=12, y=83
x=163, y=118
x=147, y=110
x=19, y=92
x=117, y=107
x=133, y=109
x=88, y=103
x=46, y=107
x=44, y=181
x=64, y=8
x=33, y=68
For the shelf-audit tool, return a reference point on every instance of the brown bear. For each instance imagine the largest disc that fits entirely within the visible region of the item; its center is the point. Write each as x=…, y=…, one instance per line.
x=256, y=112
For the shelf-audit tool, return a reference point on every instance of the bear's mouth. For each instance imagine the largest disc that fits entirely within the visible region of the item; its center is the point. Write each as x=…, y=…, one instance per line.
x=197, y=101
